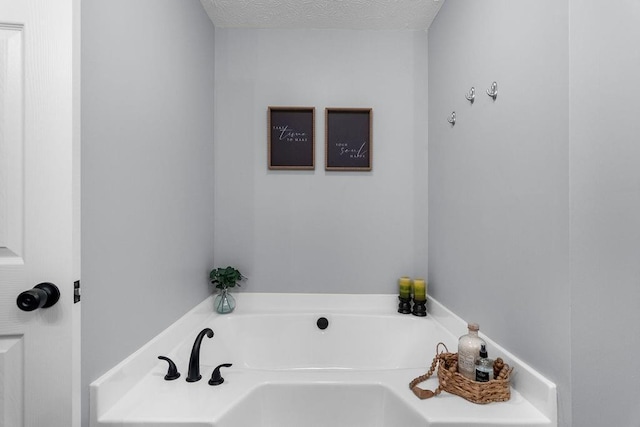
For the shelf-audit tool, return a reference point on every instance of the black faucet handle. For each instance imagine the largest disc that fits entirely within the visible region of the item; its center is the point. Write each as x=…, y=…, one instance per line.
x=216, y=378
x=172, y=373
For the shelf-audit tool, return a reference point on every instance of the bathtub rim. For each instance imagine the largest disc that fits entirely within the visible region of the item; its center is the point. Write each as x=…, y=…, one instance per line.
x=109, y=388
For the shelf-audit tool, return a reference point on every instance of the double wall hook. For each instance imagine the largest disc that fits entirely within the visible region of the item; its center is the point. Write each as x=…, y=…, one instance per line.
x=493, y=90
x=471, y=95
x=452, y=118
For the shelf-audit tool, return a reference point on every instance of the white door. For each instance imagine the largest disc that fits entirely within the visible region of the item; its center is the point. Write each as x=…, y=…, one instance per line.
x=39, y=208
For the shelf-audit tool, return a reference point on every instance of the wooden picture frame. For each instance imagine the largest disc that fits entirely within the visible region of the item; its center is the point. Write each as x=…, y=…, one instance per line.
x=291, y=138
x=348, y=139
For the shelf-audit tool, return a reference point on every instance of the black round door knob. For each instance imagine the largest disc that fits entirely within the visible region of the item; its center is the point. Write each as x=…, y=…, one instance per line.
x=43, y=295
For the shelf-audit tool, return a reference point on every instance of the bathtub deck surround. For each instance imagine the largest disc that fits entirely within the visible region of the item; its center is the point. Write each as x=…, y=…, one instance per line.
x=279, y=353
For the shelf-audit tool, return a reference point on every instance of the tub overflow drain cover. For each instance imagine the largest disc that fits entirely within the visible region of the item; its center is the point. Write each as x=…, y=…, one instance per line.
x=322, y=323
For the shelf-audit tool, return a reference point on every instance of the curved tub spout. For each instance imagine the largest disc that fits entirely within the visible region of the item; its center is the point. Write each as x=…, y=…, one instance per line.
x=194, y=360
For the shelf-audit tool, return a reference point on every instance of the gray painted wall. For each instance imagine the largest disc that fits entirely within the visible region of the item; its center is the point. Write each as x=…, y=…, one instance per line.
x=535, y=207
x=318, y=231
x=534, y=199
x=499, y=178
x=147, y=177
x=605, y=212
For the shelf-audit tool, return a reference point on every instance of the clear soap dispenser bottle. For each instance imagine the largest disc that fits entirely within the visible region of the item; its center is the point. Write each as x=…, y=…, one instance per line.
x=469, y=351
x=484, y=368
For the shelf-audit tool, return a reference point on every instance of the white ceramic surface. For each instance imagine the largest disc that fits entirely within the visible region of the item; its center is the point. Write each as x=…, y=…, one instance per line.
x=323, y=404
x=288, y=372
x=351, y=341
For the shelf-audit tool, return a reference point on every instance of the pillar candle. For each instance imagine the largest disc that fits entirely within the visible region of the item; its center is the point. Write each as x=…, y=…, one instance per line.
x=405, y=287
x=419, y=290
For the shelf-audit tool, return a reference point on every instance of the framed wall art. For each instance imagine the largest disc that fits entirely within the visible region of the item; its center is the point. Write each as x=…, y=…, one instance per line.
x=291, y=138
x=348, y=134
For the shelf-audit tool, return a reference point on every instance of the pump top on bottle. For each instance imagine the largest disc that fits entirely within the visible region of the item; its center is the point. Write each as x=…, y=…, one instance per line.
x=484, y=367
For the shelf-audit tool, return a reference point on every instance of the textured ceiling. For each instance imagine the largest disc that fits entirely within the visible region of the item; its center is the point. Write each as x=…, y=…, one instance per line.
x=323, y=14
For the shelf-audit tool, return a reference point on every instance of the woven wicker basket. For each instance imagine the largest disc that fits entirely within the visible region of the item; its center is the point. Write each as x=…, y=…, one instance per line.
x=496, y=390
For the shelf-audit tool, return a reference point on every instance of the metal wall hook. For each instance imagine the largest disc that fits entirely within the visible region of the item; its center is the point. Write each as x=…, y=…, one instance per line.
x=452, y=118
x=471, y=95
x=493, y=90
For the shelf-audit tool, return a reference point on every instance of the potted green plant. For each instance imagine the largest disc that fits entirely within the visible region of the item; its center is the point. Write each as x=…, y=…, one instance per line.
x=223, y=279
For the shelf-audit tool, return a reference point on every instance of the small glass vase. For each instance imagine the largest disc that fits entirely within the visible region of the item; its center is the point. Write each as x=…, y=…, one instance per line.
x=224, y=302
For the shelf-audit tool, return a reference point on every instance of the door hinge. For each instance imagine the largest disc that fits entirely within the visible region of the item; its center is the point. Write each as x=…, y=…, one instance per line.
x=76, y=291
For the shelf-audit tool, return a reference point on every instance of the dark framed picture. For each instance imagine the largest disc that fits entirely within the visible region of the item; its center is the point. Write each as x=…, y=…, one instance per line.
x=291, y=138
x=348, y=134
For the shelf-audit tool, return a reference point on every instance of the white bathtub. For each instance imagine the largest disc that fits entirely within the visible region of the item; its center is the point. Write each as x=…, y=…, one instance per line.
x=287, y=372
x=294, y=341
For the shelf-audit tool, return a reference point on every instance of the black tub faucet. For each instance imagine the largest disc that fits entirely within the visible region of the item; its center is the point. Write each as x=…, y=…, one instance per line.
x=194, y=360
